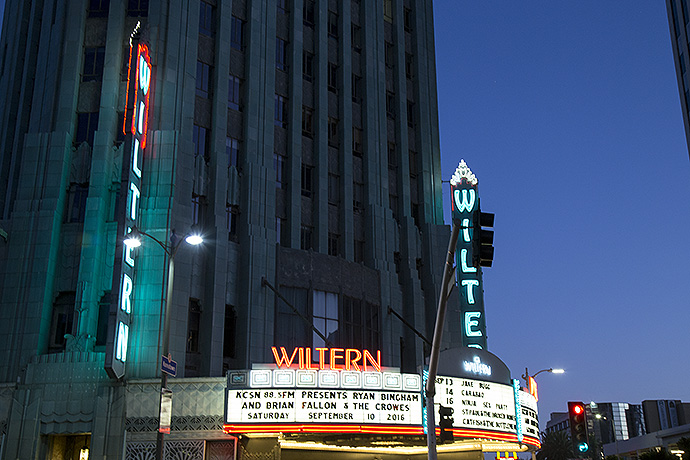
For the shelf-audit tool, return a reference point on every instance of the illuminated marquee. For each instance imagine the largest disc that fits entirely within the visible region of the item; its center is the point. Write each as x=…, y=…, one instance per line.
x=270, y=400
x=121, y=312
x=465, y=204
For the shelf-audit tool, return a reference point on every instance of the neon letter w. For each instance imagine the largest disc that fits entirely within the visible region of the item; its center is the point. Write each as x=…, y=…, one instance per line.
x=465, y=204
x=284, y=359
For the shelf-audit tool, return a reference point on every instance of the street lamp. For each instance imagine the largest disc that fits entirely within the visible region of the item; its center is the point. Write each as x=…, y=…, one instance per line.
x=133, y=240
x=551, y=369
x=532, y=384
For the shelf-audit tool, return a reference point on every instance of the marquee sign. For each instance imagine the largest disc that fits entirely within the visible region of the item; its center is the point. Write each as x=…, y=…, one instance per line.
x=122, y=305
x=386, y=402
x=465, y=207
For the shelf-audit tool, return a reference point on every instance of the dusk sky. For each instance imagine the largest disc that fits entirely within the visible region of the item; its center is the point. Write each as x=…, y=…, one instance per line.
x=569, y=115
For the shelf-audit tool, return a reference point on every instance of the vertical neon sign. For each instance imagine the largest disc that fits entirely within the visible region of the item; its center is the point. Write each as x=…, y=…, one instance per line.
x=465, y=205
x=518, y=410
x=130, y=194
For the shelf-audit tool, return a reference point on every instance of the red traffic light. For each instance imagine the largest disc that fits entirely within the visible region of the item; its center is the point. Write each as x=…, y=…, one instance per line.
x=578, y=426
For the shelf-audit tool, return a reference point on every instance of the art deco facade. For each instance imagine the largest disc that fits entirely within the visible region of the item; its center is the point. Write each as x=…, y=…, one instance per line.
x=678, y=20
x=300, y=137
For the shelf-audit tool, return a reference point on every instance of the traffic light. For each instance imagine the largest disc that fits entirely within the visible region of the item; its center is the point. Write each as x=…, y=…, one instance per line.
x=446, y=423
x=578, y=426
x=483, y=239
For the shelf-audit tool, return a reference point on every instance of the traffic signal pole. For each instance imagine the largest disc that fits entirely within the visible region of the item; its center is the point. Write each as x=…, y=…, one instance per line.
x=444, y=292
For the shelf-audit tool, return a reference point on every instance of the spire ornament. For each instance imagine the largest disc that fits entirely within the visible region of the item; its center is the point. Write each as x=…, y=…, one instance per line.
x=463, y=172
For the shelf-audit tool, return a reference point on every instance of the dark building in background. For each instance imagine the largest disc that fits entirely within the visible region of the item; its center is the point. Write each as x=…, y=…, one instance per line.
x=299, y=136
x=678, y=20
x=662, y=414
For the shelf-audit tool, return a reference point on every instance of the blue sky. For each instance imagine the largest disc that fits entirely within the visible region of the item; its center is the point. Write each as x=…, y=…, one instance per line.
x=569, y=115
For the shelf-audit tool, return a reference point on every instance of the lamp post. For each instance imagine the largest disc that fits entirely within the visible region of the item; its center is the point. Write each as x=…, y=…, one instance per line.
x=133, y=240
x=532, y=385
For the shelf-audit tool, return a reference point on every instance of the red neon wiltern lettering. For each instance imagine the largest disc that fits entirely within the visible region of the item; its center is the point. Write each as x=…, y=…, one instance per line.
x=284, y=358
x=349, y=362
x=322, y=364
x=335, y=356
x=142, y=50
x=376, y=364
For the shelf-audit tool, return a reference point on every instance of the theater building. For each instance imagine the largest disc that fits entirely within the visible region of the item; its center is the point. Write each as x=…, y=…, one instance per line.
x=300, y=139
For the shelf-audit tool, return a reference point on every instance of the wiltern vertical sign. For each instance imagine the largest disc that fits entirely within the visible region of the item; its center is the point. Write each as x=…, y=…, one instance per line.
x=136, y=128
x=465, y=205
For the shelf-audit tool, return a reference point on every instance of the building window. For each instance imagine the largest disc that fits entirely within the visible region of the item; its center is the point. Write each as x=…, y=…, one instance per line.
x=282, y=6
x=281, y=54
x=407, y=19
x=410, y=114
x=333, y=189
x=206, y=23
x=193, y=326
x=234, y=92
x=390, y=104
x=307, y=66
x=356, y=37
x=290, y=328
x=76, y=202
x=137, y=8
x=413, y=163
x=61, y=321
x=307, y=180
x=98, y=8
x=200, y=136
x=332, y=77
x=333, y=24
x=388, y=10
x=307, y=121
x=87, y=124
x=415, y=216
x=389, y=55
x=357, y=142
x=333, y=244
x=333, y=132
x=280, y=111
x=229, y=332
x=308, y=13
x=279, y=166
x=203, y=79
x=392, y=157
x=196, y=209
x=393, y=204
x=359, y=251
x=305, y=238
x=325, y=318
x=408, y=65
x=359, y=324
x=356, y=88
x=232, y=213
x=237, y=33
x=93, y=63
x=358, y=196
x=232, y=150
